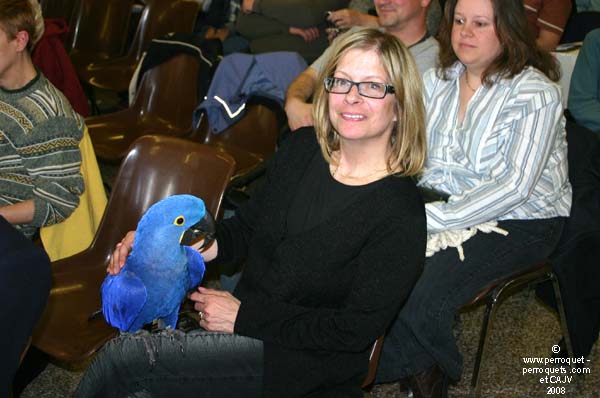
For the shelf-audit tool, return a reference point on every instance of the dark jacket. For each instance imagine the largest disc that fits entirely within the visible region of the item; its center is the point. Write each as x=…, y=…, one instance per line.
x=319, y=299
x=242, y=76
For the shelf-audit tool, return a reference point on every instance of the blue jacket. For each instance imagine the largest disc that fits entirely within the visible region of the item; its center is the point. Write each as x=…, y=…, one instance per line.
x=241, y=76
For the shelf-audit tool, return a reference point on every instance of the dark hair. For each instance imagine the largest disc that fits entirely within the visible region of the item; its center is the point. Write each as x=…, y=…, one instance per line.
x=15, y=16
x=519, y=49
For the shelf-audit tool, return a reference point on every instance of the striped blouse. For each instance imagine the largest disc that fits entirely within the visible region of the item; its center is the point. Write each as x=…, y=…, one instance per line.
x=508, y=158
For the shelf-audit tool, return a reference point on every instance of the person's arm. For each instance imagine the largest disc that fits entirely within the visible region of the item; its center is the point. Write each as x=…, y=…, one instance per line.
x=347, y=18
x=529, y=135
x=54, y=167
x=388, y=266
x=297, y=107
x=298, y=13
x=552, y=19
x=19, y=213
x=548, y=39
x=584, y=92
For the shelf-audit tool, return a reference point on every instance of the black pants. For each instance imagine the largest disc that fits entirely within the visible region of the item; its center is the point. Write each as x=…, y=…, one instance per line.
x=422, y=335
x=172, y=363
x=24, y=287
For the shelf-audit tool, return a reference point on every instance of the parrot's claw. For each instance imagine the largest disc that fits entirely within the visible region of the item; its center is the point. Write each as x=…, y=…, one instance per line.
x=151, y=349
x=179, y=336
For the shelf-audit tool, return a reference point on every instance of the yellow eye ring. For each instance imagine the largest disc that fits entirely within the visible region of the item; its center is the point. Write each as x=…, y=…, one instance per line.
x=179, y=221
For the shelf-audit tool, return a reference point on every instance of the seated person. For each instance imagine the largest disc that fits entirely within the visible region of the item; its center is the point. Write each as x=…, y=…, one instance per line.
x=358, y=14
x=333, y=241
x=24, y=287
x=496, y=144
x=411, y=30
x=40, y=180
x=547, y=20
x=584, y=91
x=286, y=25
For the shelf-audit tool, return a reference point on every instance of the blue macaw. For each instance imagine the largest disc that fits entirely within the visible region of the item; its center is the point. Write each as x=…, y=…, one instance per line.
x=160, y=270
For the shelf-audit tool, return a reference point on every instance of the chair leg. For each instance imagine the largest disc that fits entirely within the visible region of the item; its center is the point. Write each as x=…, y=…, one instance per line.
x=490, y=312
x=562, y=315
x=91, y=95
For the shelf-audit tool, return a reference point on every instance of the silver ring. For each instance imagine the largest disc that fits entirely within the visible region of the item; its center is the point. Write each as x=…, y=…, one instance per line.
x=201, y=315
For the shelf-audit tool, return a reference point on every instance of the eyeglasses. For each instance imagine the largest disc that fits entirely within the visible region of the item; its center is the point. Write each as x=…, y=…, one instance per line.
x=336, y=85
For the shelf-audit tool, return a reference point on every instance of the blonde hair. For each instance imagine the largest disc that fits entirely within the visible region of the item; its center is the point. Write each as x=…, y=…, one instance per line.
x=407, y=141
x=18, y=15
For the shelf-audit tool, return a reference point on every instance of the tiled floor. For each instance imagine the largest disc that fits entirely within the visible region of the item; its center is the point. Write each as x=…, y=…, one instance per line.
x=524, y=328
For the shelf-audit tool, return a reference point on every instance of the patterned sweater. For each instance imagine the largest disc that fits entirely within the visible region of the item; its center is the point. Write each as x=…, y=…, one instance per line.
x=39, y=152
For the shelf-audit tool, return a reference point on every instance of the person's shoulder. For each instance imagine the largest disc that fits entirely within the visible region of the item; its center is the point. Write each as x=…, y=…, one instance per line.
x=431, y=41
x=592, y=37
x=437, y=75
x=531, y=78
x=53, y=102
x=298, y=142
x=303, y=135
x=532, y=88
x=428, y=46
x=402, y=191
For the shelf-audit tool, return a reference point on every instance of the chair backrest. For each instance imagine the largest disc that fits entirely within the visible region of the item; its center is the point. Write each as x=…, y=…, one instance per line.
x=100, y=26
x=170, y=91
x=256, y=132
x=157, y=167
x=160, y=17
x=58, y=9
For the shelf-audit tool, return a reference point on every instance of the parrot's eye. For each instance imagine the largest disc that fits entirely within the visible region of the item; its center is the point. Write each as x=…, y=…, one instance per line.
x=179, y=220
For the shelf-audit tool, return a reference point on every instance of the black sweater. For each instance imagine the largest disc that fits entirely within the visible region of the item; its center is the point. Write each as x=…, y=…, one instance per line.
x=319, y=299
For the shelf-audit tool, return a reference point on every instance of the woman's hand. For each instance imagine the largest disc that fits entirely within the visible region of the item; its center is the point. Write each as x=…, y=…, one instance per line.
x=218, y=309
x=119, y=256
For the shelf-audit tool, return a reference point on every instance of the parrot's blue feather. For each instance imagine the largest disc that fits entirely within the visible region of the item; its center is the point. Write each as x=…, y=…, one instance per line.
x=123, y=296
x=158, y=265
x=196, y=267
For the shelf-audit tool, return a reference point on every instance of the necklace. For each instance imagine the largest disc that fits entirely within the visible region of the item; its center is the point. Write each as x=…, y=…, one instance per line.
x=467, y=82
x=334, y=173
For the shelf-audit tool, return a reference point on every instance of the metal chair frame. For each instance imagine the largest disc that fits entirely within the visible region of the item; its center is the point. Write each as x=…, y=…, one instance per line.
x=497, y=293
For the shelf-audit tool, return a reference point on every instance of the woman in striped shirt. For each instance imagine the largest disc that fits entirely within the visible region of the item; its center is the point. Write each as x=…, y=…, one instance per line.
x=497, y=149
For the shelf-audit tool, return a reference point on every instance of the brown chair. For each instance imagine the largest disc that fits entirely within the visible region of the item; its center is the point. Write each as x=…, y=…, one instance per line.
x=373, y=361
x=251, y=141
x=163, y=105
x=98, y=31
x=497, y=292
x=58, y=9
x=155, y=167
x=158, y=18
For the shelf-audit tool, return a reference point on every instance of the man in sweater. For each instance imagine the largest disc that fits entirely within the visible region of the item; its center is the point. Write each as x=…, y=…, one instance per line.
x=404, y=19
x=40, y=179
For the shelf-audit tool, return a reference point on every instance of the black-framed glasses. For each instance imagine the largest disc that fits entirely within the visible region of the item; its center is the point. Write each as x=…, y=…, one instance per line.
x=337, y=85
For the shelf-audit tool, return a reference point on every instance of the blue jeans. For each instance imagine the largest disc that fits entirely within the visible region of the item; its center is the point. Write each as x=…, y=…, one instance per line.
x=172, y=363
x=421, y=336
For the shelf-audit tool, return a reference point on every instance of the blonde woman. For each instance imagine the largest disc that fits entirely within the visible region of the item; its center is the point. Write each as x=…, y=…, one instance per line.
x=333, y=243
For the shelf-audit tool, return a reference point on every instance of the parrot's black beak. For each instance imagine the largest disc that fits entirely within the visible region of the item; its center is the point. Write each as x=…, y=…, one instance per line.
x=204, y=228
